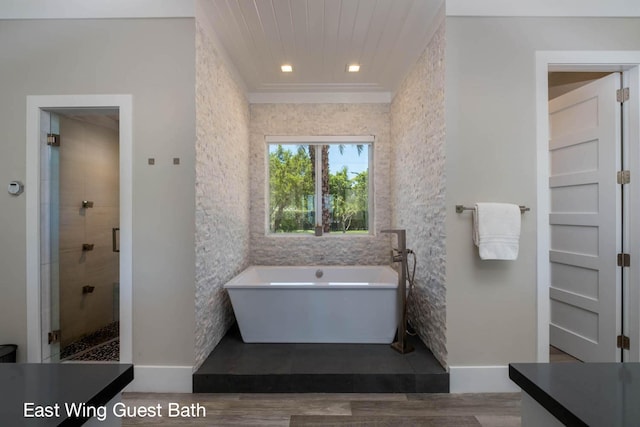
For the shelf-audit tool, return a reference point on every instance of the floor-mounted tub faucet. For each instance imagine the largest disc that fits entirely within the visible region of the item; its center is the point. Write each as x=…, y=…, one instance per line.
x=401, y=345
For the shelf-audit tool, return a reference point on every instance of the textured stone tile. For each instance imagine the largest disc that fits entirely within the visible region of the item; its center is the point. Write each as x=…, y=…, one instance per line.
x=320, y=119
x=409, y=186
x=419, y=185
x=222, y=192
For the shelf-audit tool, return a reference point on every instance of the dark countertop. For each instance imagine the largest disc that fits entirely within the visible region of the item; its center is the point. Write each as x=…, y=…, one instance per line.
x=579, y=394
x=57, y=383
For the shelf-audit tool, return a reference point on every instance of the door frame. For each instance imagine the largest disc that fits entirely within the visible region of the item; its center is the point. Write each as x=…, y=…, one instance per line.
x=124, y=103
x=578, y=61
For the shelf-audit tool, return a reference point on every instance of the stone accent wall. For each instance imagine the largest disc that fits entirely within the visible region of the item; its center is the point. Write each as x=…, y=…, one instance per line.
x=222, y=193
x=418, y=192
x=319, y=119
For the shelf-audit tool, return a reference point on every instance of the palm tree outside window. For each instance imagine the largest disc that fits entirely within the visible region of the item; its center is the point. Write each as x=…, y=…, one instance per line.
x=319, y=185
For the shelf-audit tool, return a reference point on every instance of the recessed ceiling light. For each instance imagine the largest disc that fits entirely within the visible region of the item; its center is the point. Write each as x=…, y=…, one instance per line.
x=286, y=68
x=353, y=68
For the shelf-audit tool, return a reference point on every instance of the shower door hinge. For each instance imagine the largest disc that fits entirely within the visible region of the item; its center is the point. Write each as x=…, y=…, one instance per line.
x=622, y=95
x=624, y=260
x=624, y=177
x=54, y=336
x=623, y=342
x=53, y=139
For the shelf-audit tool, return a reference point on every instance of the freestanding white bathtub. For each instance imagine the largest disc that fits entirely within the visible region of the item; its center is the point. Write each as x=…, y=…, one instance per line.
x=294, y=305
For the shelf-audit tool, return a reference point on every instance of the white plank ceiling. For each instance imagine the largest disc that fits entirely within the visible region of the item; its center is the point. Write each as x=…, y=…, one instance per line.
x=319, y=38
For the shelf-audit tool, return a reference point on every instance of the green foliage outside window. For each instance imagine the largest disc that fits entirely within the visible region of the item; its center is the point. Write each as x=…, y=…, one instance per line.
x=292, y=198
x=291, y=185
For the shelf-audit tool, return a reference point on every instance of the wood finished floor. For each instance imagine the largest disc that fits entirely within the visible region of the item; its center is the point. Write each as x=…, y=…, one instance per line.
x=558, y=356
x=433, y=410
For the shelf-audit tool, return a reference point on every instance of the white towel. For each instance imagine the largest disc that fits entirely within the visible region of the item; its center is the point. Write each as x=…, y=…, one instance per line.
x=496, y=230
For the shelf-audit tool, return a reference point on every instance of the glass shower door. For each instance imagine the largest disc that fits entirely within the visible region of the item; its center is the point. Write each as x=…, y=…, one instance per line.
x=79, y=228
x=49, y=235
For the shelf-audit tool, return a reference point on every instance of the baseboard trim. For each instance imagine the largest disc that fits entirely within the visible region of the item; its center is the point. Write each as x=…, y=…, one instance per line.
x=481, y=379
x=161, y=379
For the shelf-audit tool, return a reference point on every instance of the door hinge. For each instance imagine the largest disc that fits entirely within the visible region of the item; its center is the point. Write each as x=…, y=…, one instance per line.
x=622, y=95
x=623, y=342
x=624, y=260
x=54, y=336
x=53, y=139
x=624, y=177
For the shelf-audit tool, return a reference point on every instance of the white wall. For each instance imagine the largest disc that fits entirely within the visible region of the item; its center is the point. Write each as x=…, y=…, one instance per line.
x=152, y=60
x=491, y=151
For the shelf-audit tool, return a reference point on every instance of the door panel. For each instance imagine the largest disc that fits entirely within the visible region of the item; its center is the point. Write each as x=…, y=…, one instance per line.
x=83, y=195
x=576, y=280
x=584, y=151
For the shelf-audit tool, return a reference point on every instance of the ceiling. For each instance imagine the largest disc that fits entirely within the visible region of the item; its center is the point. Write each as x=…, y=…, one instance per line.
x=106, y=117
x=319, y=38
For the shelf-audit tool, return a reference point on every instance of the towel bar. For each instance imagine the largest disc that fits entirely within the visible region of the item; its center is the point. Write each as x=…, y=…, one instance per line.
x=462, y=208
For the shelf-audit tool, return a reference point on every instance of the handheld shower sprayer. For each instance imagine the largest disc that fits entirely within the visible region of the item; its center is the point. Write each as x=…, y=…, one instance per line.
x=401, y=345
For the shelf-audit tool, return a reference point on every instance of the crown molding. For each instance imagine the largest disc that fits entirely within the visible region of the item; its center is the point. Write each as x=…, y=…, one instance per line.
x=320, y=87
x=319, y=97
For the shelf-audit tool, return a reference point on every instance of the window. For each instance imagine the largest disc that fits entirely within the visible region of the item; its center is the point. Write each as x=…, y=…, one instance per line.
x=319, y=182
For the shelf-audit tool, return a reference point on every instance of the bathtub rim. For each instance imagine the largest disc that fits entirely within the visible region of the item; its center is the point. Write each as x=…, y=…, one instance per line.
x=237, y=281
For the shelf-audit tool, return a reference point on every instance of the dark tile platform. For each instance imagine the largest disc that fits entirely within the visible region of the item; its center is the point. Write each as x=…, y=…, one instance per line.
x=236, y=367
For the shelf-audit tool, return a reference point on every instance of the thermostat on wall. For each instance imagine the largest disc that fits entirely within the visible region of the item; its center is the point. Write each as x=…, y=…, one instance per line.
x=16, y=188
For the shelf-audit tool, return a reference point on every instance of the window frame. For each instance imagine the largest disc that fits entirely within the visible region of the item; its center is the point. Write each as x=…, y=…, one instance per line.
x=319, y=141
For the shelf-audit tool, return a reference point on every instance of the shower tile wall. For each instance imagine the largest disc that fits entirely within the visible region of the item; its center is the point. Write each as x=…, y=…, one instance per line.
x=222, y=192
x=418, y=195
x=89, y=159
x=320, y=119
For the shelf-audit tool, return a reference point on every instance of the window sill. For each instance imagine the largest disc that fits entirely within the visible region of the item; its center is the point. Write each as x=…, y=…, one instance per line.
x=313, y=236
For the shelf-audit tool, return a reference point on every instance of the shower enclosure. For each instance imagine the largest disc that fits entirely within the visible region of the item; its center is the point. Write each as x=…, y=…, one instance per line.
x=79, y=221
